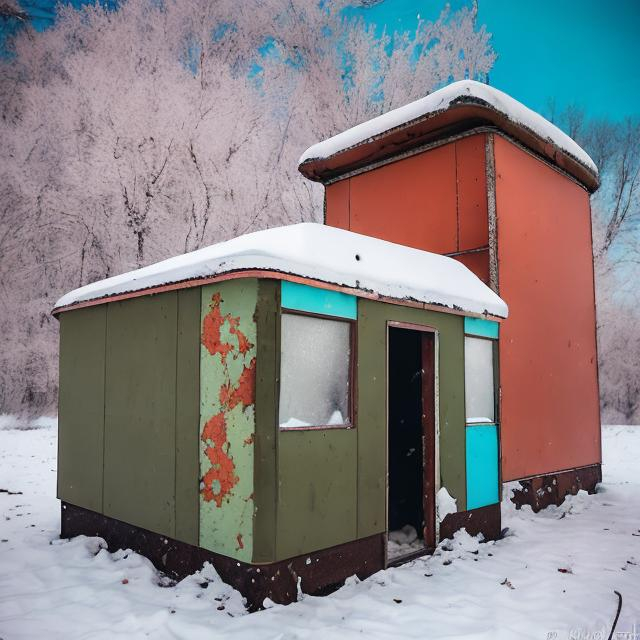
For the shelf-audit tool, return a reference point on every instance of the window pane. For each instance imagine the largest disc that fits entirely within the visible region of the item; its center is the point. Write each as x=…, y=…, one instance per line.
x=478, y=373
x=314, y=371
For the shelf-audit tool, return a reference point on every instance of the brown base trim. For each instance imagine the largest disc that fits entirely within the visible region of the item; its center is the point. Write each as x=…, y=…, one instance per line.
x=485, y=520
x=541, y=491
x=320, y=572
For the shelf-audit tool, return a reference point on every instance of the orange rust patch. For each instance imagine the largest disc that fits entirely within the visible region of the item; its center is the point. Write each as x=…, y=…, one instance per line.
x=222, y=470
x=244, y=392
x=244, y=345
x=215, y=430
x=211, y=326
x=220, y=478
x=240, y=543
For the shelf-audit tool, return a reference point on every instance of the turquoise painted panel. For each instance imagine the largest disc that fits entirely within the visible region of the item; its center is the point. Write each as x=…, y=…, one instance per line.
x=482, y=466
x=302, y=297
x=481, y=327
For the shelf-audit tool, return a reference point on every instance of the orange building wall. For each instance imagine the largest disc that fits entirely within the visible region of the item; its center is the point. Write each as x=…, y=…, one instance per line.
x=435, y=201
x=548, y=367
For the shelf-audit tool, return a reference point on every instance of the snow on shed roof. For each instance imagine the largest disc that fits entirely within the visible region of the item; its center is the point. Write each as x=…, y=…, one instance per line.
x=318, y=252
x=455, y=94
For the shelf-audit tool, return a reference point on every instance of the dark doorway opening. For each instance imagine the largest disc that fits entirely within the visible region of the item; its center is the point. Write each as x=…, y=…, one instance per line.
x=411, y=437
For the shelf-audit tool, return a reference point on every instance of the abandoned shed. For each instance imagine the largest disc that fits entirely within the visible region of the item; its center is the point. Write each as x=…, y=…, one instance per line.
x=314, y=401
x=288, y=404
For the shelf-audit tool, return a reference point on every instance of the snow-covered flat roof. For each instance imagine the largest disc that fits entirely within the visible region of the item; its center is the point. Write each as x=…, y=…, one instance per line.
x=464, y=91
x=318, y=252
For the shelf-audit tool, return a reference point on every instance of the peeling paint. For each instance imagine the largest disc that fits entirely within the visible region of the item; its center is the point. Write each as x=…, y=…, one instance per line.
x=227, y=399
x=244, y=392
x=244, y=345
x=211, y=327
x=222, y=468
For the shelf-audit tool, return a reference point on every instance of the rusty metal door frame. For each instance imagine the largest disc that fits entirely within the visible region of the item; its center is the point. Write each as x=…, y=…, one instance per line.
x=434, y=425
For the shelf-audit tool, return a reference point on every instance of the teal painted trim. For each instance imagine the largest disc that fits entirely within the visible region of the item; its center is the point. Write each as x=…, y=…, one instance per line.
x=301, y=297
x=482, y=466
x=481, y=327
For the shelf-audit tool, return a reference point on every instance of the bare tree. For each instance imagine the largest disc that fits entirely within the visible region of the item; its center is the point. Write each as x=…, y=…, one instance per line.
x=11, y=10
x=615, y=148
x=132, y=135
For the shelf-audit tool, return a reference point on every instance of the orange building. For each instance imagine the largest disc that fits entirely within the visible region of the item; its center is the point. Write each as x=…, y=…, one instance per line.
x=470, y=173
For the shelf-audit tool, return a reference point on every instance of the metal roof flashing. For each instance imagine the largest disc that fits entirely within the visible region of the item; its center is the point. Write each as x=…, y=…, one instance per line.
x=464, y=113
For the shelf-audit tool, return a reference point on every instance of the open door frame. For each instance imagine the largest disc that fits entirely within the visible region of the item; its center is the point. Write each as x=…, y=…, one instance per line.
x=429, y=447
x=430, y=435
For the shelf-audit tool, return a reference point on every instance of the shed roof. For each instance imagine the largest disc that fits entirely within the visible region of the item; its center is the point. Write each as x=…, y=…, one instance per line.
x=458, y=107
x=367, y=266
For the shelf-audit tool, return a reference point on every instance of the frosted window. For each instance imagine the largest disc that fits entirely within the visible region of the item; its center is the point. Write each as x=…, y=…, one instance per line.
x=314, y=371
x=478, y=374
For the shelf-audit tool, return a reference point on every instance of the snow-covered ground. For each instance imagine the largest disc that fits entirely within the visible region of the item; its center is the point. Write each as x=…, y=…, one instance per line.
x=552, y=577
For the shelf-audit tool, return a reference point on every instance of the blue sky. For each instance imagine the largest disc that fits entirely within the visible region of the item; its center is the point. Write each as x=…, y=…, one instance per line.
x=577, y=51
x=585, y=52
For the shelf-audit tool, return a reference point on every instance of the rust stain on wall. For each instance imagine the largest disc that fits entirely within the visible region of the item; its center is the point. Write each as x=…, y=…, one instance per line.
x=244, y=392
x=244, y=345
x=240, y=543
x=221, y=477
x=211, y=327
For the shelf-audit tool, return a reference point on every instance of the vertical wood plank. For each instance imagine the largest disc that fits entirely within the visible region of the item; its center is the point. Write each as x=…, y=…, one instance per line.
x=81, y=407
x=188, y=415
x=140, y=392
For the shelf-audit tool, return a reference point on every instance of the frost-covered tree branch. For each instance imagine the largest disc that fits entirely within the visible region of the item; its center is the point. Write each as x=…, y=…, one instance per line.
x=133, y=135
x=615, y=147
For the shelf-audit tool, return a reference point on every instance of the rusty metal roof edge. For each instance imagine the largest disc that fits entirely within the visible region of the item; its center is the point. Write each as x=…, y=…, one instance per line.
x=271, y=274
x=309, y=170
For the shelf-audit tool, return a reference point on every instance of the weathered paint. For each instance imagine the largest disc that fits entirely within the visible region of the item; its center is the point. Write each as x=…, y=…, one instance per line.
x=482, y=465
x=302, y=297
x=81, y=407
x=542, y=491
x=481, y=327
x=372, y=394
x=227, y=417
x=140, y=412
x=435, y=201
x=548, y=365
x=317, y=490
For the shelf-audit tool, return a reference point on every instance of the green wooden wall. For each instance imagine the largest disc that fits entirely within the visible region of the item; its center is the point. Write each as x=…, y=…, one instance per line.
x=81, y=406
x=317, y=497
x=128, y=416
x=266, y=438
x=372, y=396
x=332, y=483
x=168, y=420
